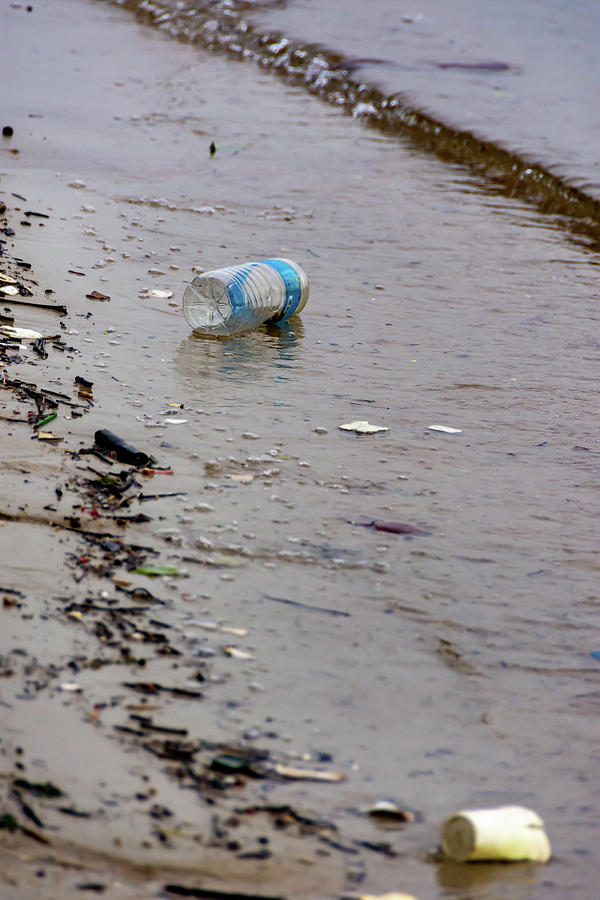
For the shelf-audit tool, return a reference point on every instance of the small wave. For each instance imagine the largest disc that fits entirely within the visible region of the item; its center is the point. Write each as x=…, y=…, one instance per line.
x=222, y=25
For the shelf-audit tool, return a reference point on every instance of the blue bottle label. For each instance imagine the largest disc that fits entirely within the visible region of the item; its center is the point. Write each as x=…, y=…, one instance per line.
x=293, y=288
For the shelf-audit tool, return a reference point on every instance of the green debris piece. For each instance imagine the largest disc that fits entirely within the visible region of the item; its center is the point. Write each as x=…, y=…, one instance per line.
x=227, y=762
x=45, y=420
x=8, y=823
x=221, y=559
x=39, y=788
x=156, y=570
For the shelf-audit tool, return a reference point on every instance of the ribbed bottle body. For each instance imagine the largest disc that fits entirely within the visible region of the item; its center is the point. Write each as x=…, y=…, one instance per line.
x=235, y=299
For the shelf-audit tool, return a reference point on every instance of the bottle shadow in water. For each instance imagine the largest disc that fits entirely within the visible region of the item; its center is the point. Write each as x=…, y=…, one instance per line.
x=268, y=355
x=471, y=881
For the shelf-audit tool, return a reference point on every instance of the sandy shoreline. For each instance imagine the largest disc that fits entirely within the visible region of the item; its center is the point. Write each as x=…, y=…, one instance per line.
x=127, y=821
x=75, y=630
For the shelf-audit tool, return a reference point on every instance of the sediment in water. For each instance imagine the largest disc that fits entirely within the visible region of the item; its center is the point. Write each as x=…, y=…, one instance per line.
x=329, y=73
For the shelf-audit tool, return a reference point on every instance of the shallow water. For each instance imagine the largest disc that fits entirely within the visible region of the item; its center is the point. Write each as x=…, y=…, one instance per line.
x=515, y=73
x=461, y=674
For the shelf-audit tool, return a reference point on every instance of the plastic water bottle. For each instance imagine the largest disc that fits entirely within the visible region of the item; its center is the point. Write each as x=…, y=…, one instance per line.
x=228, y=301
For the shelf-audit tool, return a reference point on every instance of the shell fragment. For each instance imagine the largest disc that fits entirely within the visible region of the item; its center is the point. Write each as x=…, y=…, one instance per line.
x=446, y=429
x=24, y=334
x=363, y=427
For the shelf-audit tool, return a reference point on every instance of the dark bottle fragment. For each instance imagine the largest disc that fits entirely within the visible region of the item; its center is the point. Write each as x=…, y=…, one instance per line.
x=124, y=452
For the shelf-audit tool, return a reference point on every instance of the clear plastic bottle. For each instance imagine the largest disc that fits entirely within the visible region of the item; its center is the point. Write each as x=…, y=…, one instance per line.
x=228, y=301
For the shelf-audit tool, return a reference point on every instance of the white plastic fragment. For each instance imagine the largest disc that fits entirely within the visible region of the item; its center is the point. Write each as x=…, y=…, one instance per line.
x=239, y=632
x=296, y=774
x=71, y=687
x=446, y=429
x=361, y=427
x=506, y=834
x=25, y=334
x=235, y=653
x=393, y=896
x=9, y=290
x=162, y=295
x=171, y=421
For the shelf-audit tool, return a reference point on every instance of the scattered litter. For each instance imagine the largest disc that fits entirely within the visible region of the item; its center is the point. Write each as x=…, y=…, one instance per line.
x=446, y=429
x=123, y=451
x=48, y=436
x=211, y=894
x=143, y=497
x=162, y=295
x=306, y=774
x=25, y=334
x=153, y=688
x=505, y=834
x=223, y=560
x=39, y=347
x=83, y=383
x=322, y=609
x=153, y=571
x=386, y=809
x=172, y=421
x=235, y=653
x=45, y=420
x=71, y=687
x=393, y=896
x=239, y=632
x=38, y=788
x=96, y=295
x=7, y=279
x=362, y=427
x=54, y=307
x=595, y=655
x=9, y=290
x=78, y=183
x=392, y=527
x=242, y=479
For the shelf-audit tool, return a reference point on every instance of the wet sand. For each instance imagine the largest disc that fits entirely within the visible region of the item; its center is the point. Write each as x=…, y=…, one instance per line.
x=458, y=672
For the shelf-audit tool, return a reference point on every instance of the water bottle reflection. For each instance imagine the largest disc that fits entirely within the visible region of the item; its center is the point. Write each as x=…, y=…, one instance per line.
x=268, y=355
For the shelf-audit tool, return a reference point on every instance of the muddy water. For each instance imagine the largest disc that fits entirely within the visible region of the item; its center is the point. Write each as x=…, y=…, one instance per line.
x=518, y=74
x=459, y=672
